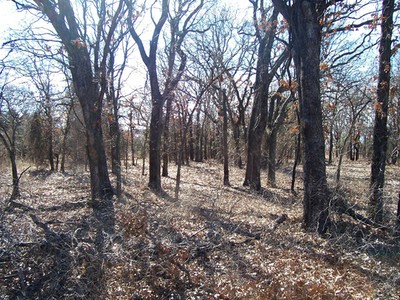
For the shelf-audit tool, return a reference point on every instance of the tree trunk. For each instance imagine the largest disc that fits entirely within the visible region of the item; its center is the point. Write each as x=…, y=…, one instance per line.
x=64, y=140
x=330, y=144
x=272, y=143
x=296, y=160
x=236, y=137
x=90, y=94
x=156, y=127
x=144, y=152
x=166, y=147
x=305, y=28
x=380, y=135
x=191, y=142
x=258, y=119
x=15, y=179
x=132, y=138
x=199, y=139
x=225, y=138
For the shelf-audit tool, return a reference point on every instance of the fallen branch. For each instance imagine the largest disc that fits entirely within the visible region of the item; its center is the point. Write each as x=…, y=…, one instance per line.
x=340, y=205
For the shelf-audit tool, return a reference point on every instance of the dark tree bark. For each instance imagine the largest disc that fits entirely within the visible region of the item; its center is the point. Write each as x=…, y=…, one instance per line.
x=132, y=138
x=199, y=138
x=166, y=137
x=225, y=137
x=305, y=29
x=380, y=135
x=258, y=119
x=89, y=79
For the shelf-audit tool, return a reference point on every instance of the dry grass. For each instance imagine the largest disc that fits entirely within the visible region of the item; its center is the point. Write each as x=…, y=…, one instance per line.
x=215, y=242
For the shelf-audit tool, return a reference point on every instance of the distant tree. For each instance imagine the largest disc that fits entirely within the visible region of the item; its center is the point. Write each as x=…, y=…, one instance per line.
x=12, y=100
x=42, y=77
x=37, y=139
x=380, y=135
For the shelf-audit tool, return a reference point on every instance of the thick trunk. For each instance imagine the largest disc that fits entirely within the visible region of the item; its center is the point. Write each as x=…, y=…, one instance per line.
x=306, y=34
x=252, y=178
x=380, y=136
x=155, y=145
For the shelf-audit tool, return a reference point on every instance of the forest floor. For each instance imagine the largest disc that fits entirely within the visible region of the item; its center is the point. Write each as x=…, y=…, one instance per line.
x=215, y=242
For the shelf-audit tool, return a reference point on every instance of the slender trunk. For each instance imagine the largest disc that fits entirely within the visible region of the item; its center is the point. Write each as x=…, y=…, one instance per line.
x=132, y=138
x=225, y=138
x=380, y=136
x=166, y=133
x=236, y=137
x=191, y=142
x=198, y=140
x=296, y=160
x=144, y=152
x=272, y=157
x=15, y=179
x=330, y=144
x=50, y=145
x=64, y=140
x=205, y=134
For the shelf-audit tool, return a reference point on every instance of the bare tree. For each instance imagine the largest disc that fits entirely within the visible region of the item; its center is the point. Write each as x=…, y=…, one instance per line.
x=87, y=51
x=265, y=26
x=185, y=13
x=12, y=100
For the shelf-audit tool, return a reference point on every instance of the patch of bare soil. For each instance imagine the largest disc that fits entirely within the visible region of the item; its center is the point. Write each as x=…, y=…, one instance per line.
x=215, y=242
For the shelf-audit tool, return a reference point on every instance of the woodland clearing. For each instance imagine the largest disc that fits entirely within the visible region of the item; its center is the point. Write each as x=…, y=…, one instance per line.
x=215, y=242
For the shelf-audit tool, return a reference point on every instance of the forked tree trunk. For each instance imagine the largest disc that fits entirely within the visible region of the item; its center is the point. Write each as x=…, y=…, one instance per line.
x=258, y=119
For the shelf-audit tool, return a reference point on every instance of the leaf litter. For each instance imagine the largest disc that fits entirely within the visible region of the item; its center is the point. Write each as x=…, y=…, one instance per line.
x=214, y=242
